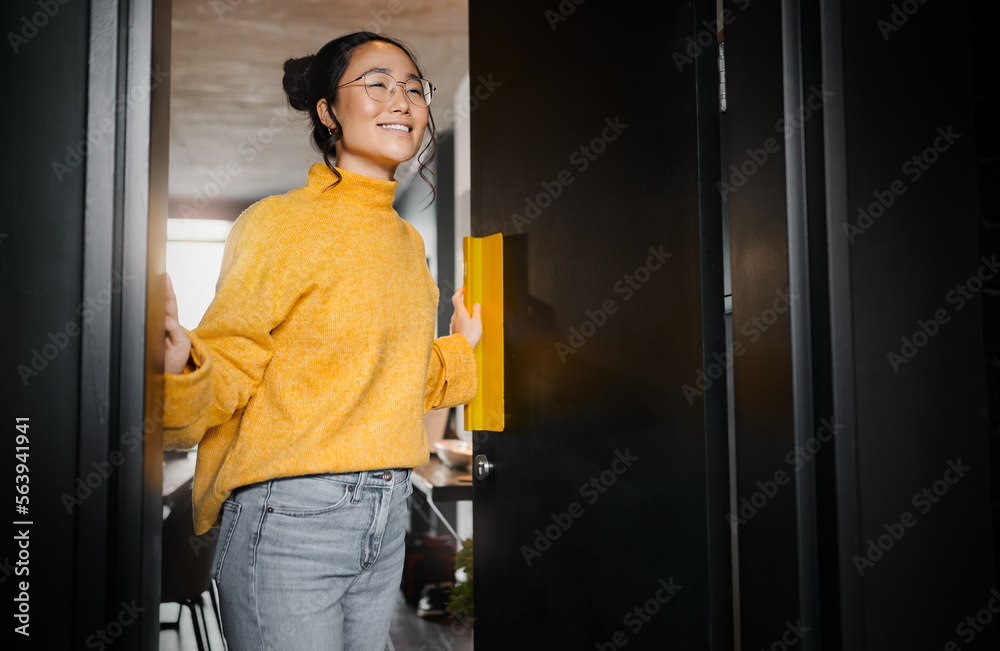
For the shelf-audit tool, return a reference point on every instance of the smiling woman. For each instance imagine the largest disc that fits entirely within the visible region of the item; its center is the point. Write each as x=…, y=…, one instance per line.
x=357, y=114
x=305, y=384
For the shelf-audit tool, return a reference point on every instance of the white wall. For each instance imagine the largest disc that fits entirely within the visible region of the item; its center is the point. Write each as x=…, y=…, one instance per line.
x=194, y=258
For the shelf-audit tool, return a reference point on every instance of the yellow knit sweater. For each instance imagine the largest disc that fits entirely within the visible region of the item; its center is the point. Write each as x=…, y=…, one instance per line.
x=317, y=353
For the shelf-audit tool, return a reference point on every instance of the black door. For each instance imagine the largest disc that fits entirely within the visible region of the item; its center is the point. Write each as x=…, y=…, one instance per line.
x=593, y=528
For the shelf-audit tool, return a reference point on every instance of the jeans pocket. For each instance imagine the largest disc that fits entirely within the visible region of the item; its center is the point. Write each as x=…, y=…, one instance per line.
x=230, y=515
x=302, y=497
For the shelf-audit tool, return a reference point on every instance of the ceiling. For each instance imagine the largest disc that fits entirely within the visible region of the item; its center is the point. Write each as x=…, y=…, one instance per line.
x=233, y=138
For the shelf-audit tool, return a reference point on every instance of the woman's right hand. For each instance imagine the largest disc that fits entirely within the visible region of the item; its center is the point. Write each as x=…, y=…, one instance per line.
x=177, y=344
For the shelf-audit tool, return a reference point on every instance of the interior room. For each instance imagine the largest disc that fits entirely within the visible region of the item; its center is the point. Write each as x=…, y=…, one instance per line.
x=733, y=381
x=233, y=141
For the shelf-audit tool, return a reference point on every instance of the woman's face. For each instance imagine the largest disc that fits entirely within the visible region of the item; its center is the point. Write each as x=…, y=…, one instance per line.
x=367, y=146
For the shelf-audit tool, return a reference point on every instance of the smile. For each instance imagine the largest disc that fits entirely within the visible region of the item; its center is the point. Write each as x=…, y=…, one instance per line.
x=396, y=127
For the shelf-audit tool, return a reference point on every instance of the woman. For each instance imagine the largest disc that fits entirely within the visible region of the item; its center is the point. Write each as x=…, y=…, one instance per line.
x=306, y=380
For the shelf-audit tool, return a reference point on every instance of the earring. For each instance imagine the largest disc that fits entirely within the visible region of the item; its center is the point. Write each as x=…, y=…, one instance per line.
x=331, y=130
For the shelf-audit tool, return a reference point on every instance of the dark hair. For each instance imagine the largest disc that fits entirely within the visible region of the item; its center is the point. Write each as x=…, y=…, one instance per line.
x=311, y=78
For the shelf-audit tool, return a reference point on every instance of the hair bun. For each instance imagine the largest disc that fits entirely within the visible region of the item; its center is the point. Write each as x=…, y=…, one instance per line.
x=296, y=82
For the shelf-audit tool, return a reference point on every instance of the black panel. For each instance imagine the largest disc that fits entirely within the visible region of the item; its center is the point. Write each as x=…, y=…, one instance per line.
x=985, y=21
x=714, y=242
x=919, y=409
x=575, y=404
x=143, y=234
x=445, y=205
x=74, y=260
x=754, y=168
x=823, y=586
x=44, y=73
x=99, y=352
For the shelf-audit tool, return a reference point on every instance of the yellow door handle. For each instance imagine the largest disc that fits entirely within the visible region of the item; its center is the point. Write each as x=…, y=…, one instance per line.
x=483, y=283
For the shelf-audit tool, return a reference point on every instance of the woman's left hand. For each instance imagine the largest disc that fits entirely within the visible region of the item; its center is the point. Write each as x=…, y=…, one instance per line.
x=462, y=323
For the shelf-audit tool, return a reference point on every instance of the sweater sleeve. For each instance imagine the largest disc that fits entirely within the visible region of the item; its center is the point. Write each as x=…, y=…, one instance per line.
x=452, y=377
x=231, y=347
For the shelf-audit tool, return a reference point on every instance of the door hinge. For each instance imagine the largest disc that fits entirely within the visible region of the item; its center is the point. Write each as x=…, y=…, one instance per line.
x=722, y=77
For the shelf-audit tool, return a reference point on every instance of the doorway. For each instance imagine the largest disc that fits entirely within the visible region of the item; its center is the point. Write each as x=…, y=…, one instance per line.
x=234, y=140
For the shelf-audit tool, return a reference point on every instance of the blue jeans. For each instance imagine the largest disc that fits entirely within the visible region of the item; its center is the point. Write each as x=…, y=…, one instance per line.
x=312, y=563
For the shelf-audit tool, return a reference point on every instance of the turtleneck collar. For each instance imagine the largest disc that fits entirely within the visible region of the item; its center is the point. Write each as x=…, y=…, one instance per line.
x=367, y=191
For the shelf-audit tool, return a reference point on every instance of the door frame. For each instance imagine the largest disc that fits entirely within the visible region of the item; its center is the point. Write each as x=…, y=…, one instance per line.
x=121, y=368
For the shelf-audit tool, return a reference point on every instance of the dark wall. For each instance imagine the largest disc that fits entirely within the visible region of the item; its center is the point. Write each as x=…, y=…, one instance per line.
x=985, y=21
x=43, y=98
x=911, y=388
x=897, y=400
x=908, y=359
x=84, y=231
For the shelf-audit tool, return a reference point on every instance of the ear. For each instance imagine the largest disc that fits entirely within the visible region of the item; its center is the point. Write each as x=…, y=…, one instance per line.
x=324, y=112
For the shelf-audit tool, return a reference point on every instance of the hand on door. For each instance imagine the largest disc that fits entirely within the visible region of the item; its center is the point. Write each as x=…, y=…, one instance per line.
x=177, y=344
x=462, y=323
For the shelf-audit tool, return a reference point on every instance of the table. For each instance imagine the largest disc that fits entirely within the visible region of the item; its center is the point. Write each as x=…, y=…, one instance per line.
x=442, y=483
x=178, y=467
x=438, y=482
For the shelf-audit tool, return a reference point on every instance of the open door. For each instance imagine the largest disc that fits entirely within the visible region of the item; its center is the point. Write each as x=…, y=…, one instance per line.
x=596, y=522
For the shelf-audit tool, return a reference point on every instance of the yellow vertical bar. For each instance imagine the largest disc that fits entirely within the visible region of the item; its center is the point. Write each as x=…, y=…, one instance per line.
x=483, y=281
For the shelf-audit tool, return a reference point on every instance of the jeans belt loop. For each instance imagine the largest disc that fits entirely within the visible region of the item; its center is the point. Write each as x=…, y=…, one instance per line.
x=357, y=488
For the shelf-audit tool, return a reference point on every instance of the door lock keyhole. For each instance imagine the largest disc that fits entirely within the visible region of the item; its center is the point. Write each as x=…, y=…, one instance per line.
x=483, y=467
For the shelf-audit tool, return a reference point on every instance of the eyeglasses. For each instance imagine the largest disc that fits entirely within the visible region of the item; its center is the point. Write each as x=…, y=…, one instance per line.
x=381, y=87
